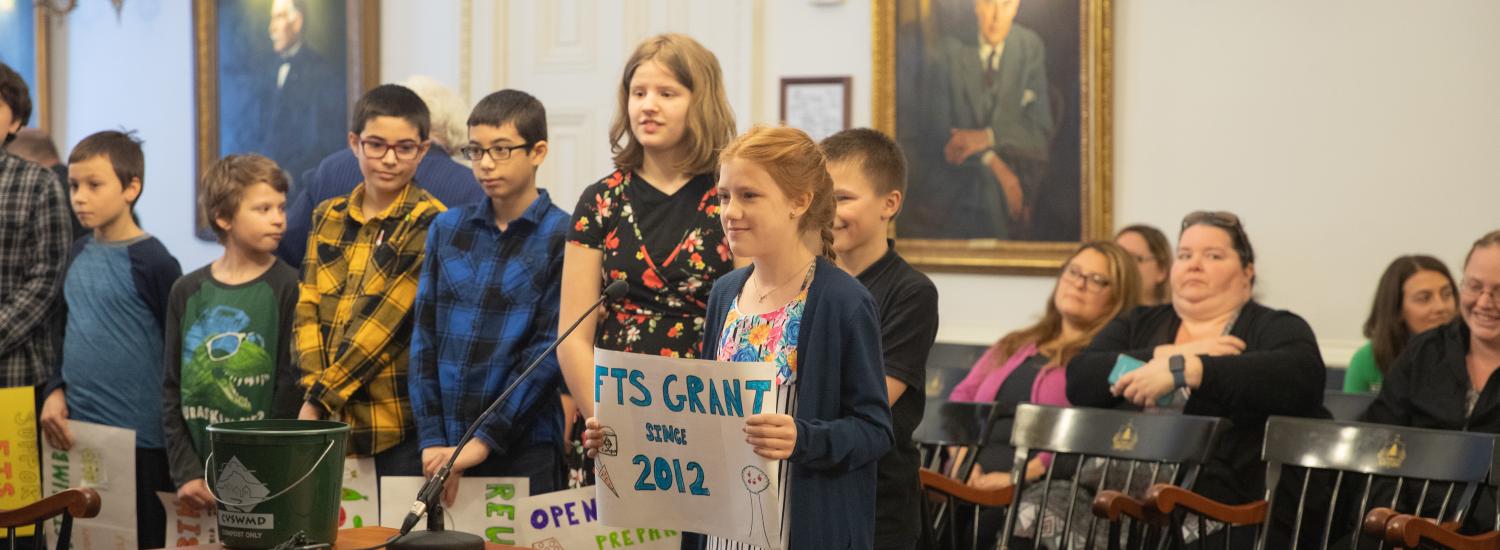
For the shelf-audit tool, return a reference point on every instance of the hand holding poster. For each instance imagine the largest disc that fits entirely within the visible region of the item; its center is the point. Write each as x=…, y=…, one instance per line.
x=188, y=526
x=674, y=451
x=569, y=520
x=95, y=461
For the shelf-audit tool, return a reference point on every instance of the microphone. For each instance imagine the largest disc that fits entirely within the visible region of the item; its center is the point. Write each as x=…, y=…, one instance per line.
x=428, y=495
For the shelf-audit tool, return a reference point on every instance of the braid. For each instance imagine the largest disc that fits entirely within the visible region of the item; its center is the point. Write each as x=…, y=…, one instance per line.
x=826, y=232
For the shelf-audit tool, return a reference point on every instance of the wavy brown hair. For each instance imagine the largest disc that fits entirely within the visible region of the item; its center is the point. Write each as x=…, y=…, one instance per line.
x=798, y=166
x=1125, y=293
x=1386, y=327
x=710, y=121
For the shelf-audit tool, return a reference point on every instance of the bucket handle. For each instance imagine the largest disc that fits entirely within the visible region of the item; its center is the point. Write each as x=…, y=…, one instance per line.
x=208, y=477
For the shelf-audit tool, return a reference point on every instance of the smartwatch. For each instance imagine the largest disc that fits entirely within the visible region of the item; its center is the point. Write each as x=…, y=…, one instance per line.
x=1177, y=365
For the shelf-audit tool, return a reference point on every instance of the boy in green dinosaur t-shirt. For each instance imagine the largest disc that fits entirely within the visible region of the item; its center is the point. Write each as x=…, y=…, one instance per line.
x=229, y=323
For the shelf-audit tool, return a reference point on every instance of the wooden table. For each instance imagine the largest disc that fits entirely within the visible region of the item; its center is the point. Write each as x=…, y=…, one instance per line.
x=360, y=537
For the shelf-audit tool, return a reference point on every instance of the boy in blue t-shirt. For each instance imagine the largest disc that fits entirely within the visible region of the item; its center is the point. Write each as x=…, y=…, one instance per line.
x=115, y=289
x=487, y=306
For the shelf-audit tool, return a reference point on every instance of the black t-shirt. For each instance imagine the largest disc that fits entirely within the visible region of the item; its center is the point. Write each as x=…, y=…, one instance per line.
x=664, y=219
x=907, y=301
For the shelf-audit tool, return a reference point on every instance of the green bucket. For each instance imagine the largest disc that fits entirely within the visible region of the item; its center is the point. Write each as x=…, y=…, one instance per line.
x=276, y=478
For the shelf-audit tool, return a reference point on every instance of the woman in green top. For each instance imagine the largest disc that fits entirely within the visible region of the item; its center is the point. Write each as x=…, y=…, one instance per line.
x=1415, y=295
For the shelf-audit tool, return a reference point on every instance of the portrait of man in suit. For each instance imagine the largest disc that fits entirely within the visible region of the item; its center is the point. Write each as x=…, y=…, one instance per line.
x=283, y=80
x=982, y=115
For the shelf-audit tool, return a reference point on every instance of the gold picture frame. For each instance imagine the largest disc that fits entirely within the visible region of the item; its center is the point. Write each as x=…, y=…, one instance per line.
x=359, y=42
x=895, y=20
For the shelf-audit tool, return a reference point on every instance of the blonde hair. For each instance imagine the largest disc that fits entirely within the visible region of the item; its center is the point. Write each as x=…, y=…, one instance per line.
x=710, y=121
x=446, y=109
x=1489, y=239
x=1125, y=293
x=798, y=166
x=224, y=184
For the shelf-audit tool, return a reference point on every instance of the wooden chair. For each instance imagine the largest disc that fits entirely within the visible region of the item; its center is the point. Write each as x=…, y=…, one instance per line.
x=1383, y=464
x=1347, y=406
x=960, y=427
x=1407, y=530
x=1125, y=446
x=72, y=503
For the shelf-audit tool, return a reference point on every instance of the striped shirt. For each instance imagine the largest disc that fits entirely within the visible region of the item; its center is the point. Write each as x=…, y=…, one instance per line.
x=353, y=319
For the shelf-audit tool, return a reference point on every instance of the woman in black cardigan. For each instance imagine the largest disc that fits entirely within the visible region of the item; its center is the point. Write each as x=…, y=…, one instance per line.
x=1212, y=352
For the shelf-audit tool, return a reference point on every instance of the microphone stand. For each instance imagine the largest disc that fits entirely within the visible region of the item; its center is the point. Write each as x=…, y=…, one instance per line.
x=428, y=496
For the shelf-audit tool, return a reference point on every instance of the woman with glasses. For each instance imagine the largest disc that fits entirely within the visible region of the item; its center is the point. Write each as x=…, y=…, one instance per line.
x=1415, y=295
x=1212, y=351
x=1153, y=257
x=1097, y=283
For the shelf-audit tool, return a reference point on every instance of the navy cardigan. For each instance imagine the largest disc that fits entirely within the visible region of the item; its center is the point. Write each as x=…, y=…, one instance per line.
x=843, y=422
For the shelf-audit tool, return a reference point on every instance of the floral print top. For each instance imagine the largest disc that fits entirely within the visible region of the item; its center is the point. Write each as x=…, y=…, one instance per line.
x=662, y=314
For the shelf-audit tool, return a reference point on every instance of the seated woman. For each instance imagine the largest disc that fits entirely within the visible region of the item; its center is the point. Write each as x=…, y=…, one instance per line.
x=1442, y=380
x=1213, y=345
x=1153, y=257
x=1097, y=283
x=1415, y=295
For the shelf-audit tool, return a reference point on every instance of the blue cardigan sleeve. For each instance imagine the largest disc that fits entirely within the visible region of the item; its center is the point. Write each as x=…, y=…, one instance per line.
x=846, y=336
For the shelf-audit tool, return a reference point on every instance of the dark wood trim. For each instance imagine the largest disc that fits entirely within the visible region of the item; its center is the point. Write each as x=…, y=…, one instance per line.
x=935, y=482
x=81, y=503
x=1165, y=499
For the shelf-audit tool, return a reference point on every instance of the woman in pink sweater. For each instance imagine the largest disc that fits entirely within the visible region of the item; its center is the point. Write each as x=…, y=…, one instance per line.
x=1097, y=283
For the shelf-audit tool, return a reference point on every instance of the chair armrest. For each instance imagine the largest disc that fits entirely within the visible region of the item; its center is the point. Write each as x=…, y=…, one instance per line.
x=81, y=503
x=933, y=481
x=1110, y=505
x=1164, y=498
x=1376, y=522
x=1412, y=530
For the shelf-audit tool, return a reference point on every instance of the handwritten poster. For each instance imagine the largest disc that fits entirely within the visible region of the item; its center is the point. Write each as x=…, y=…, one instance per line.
x=674, y=452
x=569, y=520
x=20, y=475
x=95, y=462
x=486, y=506
x=187, y=526
x=359, y=504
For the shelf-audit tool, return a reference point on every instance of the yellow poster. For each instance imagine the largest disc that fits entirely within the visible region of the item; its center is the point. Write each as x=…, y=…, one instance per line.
x=20, y=477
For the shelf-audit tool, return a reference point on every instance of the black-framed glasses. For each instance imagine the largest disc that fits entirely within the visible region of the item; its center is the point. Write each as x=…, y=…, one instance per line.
x=1092, y=282
x=497, y=153
x=376, y=149
x=1228, y=222
x=1477, y=290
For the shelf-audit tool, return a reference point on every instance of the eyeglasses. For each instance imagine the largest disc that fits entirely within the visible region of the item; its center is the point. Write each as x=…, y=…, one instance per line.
x=1477, y=290
x=1092, y=282
x=1228, y=222
x=376, y=149
x=497, y=153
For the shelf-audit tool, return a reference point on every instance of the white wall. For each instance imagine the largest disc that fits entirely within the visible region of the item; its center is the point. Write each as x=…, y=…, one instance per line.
x=135, y=71
x=1344, y=132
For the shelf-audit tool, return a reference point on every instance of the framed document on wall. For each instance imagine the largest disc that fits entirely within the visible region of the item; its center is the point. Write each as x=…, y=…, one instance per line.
x=816, y=105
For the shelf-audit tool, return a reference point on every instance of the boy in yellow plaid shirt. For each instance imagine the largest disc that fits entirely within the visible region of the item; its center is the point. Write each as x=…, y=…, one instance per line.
x=359, y=281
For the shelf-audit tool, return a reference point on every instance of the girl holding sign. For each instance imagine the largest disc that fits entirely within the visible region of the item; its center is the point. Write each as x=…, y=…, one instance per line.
x=795, y=308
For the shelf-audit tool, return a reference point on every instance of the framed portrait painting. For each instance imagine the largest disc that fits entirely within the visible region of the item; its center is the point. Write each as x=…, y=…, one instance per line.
x=23, y=46
x=279, y=77
x=1003, y=110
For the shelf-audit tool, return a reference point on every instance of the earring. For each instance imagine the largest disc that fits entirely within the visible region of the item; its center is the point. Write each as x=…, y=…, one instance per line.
x=791, y=215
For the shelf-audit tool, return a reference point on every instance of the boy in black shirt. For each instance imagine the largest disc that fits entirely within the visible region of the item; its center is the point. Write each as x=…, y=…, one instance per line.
x=869, y=182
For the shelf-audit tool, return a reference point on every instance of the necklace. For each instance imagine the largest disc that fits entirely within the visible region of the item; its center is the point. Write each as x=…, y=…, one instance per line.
x=762, y=297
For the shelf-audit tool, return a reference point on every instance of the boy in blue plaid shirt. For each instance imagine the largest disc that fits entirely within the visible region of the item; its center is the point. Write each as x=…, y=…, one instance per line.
x=487, y=305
